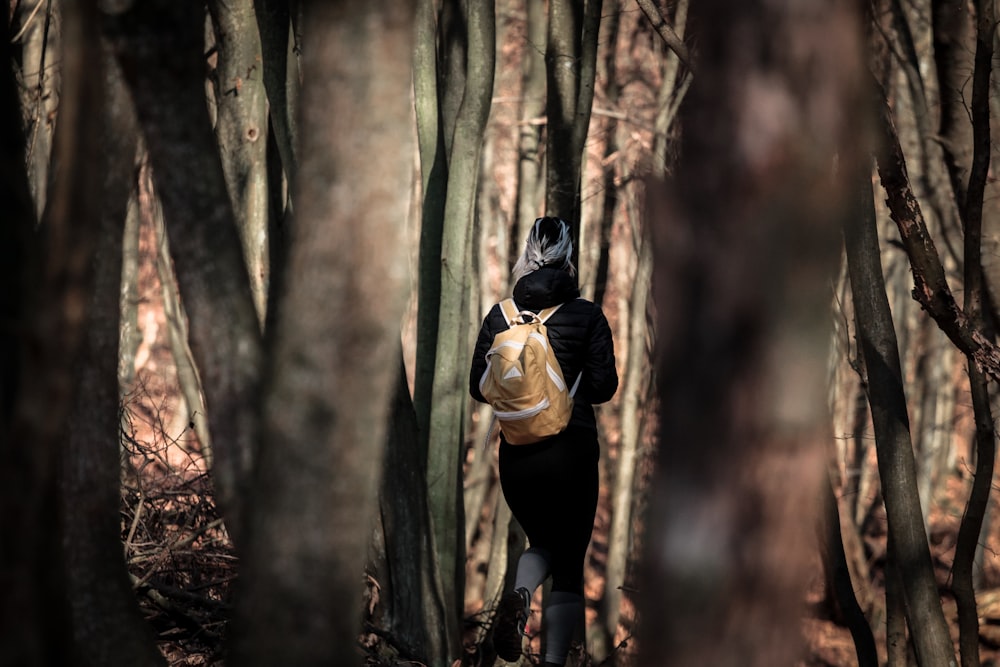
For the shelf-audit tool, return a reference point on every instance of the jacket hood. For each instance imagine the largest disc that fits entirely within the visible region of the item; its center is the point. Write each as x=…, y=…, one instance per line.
x=545, y=287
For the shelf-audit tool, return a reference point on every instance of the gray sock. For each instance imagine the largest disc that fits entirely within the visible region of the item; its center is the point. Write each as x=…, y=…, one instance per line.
x=563, y=615
x=532, y=569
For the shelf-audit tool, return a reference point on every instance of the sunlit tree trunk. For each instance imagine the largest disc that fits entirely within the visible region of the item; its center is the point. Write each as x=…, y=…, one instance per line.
x=241, y=129
x=36, y=23
x=434, y=186
x=446, y=428
x=188, y=380
x=530, y=197
x=335, y=349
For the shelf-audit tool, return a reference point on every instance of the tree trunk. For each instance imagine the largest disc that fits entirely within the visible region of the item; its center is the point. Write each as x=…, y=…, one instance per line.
x=970, y=530
x=160, y=44
x=108, y=628
x=953, y=38
x=412, y=609
x=188, y=379
x=130, y=336
x=446, y=428
x=529, y=156
x=434, y=182
x=241, y=130
x=877, y=342
x=52, y=271
x=562, y=159
x=336, y=344
x=745, y=249
x=839, y=579
x=281, y=81
x=36, y=23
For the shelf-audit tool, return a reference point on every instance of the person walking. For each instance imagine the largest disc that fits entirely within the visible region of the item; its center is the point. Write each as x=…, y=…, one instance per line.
x=551, y=486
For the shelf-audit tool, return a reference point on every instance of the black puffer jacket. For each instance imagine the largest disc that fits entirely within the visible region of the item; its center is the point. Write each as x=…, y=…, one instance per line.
x=578, y=331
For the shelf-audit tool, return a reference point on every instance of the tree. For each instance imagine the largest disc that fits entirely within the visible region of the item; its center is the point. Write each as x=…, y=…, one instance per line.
x=331, y=360
x=241, y=131
x=441, y=391
x=737, y=310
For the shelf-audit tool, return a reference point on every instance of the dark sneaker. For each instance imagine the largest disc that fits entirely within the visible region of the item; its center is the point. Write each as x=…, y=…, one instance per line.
x=508, y=624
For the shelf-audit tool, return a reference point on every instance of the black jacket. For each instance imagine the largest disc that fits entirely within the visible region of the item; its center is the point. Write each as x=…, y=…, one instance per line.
x=579, y=334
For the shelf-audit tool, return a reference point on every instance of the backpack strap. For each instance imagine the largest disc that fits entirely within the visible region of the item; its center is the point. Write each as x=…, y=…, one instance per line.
x=509, y=310
x=513, y=314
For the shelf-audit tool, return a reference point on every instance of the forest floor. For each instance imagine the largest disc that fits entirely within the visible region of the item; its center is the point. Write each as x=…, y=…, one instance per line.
x=830, y=643
x=183, y=568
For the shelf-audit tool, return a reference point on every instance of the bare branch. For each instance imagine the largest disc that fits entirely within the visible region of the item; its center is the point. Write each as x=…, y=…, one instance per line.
x=670, y=37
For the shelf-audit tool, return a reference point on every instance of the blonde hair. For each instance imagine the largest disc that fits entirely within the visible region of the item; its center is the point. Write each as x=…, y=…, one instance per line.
x=549, y=244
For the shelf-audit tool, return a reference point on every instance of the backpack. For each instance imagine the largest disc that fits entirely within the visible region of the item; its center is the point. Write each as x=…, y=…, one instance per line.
x=523, y=381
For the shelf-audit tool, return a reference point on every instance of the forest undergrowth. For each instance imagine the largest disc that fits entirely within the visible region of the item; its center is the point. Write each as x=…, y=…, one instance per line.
x=183, y=566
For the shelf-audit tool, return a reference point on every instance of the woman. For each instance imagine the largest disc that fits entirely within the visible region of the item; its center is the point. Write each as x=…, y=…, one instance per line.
x=551, y=486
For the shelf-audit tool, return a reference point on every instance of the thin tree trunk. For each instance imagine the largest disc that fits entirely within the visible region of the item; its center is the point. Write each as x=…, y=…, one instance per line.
x=434, y=182
x=836, y=564
x=36, y=24
x=446, y=429
x=241, y=130
x=188, y=379
x=130, y=336
x=953, y=37
x=562, y=160
x=877, y=343
x=975, y=299
x=280, y=67
x=414, y=613
x=529, y=157
x=335, y=349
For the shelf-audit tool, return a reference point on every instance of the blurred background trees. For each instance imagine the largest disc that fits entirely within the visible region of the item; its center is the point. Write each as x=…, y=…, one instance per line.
x=247, y=245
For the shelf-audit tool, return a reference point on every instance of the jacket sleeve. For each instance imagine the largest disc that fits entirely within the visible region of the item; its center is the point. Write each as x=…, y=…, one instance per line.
x=483, y=343
x=600, y=376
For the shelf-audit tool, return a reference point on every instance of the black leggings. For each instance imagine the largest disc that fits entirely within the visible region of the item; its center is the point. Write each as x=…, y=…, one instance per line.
x=551, y=488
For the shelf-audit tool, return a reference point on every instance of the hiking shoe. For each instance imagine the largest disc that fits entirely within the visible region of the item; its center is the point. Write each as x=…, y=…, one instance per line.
x=508, y=624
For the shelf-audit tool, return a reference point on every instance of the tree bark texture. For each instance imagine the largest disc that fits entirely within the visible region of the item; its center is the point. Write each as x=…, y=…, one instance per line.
x=107, y=626
x=878, y=347
x=839, y=577
x=160, y=46
x=280, y=79
x=241, y=130
x=745, y=243
x=975, y=306
x=336, y=343
x=954, y=36
x=530, y=180
x=55, y=282
x=446, y=428
x=188, y=379
x=434, y=188
x=562, y=159
x=37, y=23
x=414, y=613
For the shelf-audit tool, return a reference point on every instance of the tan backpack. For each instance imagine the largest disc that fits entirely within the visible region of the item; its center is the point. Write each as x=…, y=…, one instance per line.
x=523, y=381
